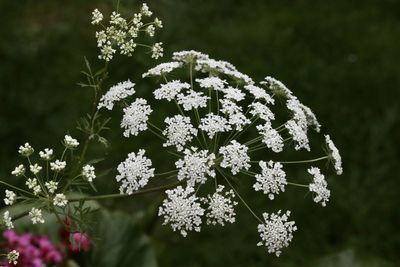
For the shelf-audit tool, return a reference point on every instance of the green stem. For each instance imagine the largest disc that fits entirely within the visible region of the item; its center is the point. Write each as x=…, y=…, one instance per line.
x=158, y=135
x=238, y=134
x=299, y=185
x=303, y=161
x=241, y=199
x=16, y=188
x=140, y=192
x=255, y=140
x=164, y=173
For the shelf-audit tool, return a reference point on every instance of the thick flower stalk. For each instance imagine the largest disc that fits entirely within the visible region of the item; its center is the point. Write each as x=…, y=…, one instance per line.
x=224, y=129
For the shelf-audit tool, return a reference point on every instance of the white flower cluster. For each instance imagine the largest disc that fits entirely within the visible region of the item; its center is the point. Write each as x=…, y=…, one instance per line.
x=7, y=220
x=334, y=153
x=135, y=117
x=46, y=154
x=70, y=142
x=182, y=210
x=170, y=90
x=276, y=232
x=134, y=172
x=26, y=150
x=218, y=108
x=212, y=124
x=122, y=34
x=195, y=166
x=221, y=207
x=10, y=197
x=179, y=131
x=319, y=186
x=13, y=257
x=271, y=137
x=88, y=173
x=272, y=179
x=44, y=186
x=36, y=216
x=235, y=157
x=116, y=93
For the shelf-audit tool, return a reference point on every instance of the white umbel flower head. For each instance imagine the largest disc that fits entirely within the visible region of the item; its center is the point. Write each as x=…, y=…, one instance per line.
x=134, y=172
x=136, y=117
x=116, y=93
x=70, y=142
x=32, y=183
x=235, y=157
x=35, y=169
x=19, y=170
x=179, y=131
x=235, y=115
x=334, y=154
x=233, y=94
x=271, y=137
x=302, y=115
x=192, y=100
x=157, y=50
x=262, y=111
x=212, y=83
x=58, y=165
x=319, y=186
x=195, y=166
x=212, y=124
x=182, y=210
x=229, y=107
x=88, y=173
x=276, y=232
x=277, y=87
x=259, y=93
x=162, y=69
x=51, y=186
x=170, y=90
x=272, y=179
x=7, y=220
x=238, y=120
x=36, y=216
x=299, y=135
x=97, y=16
x=26, y=150
x=46, y=154
x=60, y=200
x=221, y=207
x=189, y=56
x=145, y=10
x=12, y=257
x=10, y=197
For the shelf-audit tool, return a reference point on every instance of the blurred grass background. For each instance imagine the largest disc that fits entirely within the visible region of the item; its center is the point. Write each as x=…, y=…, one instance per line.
x=341, y=58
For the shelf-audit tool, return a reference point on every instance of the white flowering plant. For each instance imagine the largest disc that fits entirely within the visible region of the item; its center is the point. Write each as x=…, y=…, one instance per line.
x=222, y=127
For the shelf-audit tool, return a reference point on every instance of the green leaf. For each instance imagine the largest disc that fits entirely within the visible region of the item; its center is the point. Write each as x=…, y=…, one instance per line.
x=103, y=141
x=121, y=242
x=94, y=161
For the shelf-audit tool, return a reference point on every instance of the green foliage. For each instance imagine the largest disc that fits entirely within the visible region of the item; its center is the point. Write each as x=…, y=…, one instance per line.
x=121, y=242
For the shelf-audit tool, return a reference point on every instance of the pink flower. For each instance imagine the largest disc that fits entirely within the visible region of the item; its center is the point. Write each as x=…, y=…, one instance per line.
x=81, y=242
x=34, y=251
x=74, y=241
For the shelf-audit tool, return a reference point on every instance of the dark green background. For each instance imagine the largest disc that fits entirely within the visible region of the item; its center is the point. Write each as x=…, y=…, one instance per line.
x=340, y=57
